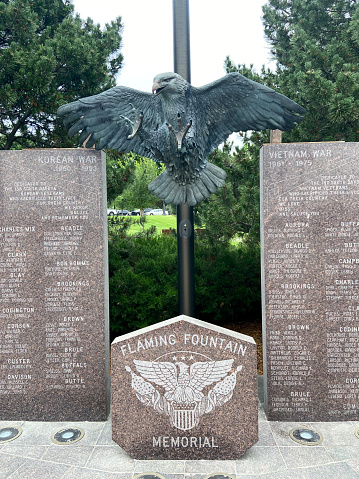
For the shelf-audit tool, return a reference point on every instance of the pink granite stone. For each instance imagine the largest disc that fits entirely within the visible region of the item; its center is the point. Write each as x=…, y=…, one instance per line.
x=310, y=265
x=53, y=304
x=184, y=389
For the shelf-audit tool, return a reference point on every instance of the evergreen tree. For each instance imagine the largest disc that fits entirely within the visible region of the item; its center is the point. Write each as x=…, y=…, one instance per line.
x=234, y=209
x=49, y=57
x=136, y=194
x=316, y=46
x=120, y=169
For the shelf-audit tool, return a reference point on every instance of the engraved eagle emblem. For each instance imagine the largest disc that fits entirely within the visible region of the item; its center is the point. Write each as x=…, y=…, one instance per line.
x=183, y=399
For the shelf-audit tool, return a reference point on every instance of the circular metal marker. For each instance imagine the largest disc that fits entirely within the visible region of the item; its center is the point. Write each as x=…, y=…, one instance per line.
x=69, y=435
x=219, y=476
x=9, y=433
x=306, y=436
x=356, y=432
x=149, y=475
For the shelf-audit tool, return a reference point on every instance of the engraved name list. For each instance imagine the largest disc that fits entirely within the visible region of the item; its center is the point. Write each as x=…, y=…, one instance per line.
x=52, y=301
x=310, y=266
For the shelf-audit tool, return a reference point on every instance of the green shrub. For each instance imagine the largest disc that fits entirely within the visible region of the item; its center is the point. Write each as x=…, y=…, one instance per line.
x=143, y=280
x=227, y=282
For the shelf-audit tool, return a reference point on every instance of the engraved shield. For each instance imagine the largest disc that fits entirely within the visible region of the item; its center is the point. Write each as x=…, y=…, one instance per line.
x=184, y=418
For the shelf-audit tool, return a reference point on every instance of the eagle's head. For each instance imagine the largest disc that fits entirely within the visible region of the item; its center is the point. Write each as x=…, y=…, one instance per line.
x=182, y=366
x=169, y=84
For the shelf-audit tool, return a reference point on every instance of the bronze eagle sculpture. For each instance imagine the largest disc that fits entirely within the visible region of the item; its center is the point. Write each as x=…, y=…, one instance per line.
x=179, y=125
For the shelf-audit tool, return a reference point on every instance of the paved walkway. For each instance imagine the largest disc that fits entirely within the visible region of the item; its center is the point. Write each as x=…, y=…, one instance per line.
x=275, y=456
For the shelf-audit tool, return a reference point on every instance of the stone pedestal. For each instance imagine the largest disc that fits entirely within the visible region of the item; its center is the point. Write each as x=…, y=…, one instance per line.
x=53, y=304
x=310, y=266
x=184, y=389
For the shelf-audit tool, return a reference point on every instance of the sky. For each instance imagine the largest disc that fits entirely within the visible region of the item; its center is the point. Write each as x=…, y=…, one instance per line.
x=217, y=29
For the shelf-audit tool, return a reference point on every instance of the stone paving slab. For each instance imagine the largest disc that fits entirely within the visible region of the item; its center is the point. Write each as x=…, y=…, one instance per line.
x=354, y=464
x=162, y=467
x=96, y=456
x=343, y=453
x=84, y=473
x=33, y=468
x=295, y=457
x=31, y=452
x=265, y=435
x=77, y=456
x=10, y=464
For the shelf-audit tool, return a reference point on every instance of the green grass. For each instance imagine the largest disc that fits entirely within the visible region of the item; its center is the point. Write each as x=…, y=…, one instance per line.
x=160, y=222
x=164, y=223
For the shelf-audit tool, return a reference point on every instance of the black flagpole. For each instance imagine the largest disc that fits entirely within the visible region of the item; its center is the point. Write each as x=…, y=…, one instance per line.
x=185, y=231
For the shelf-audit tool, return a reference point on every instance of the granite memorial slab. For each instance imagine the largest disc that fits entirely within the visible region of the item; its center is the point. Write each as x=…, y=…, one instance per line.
x=310, y=280
x=184, y=389
x=53, y=303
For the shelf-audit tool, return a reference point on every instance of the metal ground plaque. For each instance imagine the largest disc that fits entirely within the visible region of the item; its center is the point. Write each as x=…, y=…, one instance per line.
x=184, y=389
x=310, y=266
x=53, y=319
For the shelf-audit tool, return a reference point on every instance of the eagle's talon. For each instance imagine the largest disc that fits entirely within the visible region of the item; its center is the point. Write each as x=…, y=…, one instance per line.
x=180, y=135
x=170, y=127
x=135, y=125
x=179, y=122
x=188, y=126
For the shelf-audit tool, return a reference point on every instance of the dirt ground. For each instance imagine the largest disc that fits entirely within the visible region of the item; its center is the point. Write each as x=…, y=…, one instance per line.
x=253, y=329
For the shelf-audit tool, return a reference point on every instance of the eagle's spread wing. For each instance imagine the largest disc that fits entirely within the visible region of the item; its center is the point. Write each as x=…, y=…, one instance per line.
x=205, y=373
x=161, y=373
x=101, y=116
x=235, y=103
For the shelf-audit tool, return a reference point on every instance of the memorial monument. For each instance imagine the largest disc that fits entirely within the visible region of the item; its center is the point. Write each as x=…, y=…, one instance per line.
x=184, y=389
x=53, y=300
x=310, y=264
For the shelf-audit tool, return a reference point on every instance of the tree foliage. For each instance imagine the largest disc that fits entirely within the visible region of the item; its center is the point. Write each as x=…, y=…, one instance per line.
x=49, y=57
x=234, y=209
x=120, y=170
x=136, y=194
x=316, y=46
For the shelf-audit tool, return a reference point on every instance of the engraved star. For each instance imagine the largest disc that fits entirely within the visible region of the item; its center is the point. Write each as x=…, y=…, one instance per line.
x=174, y=358
x=183, y=358
x=191, y=357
